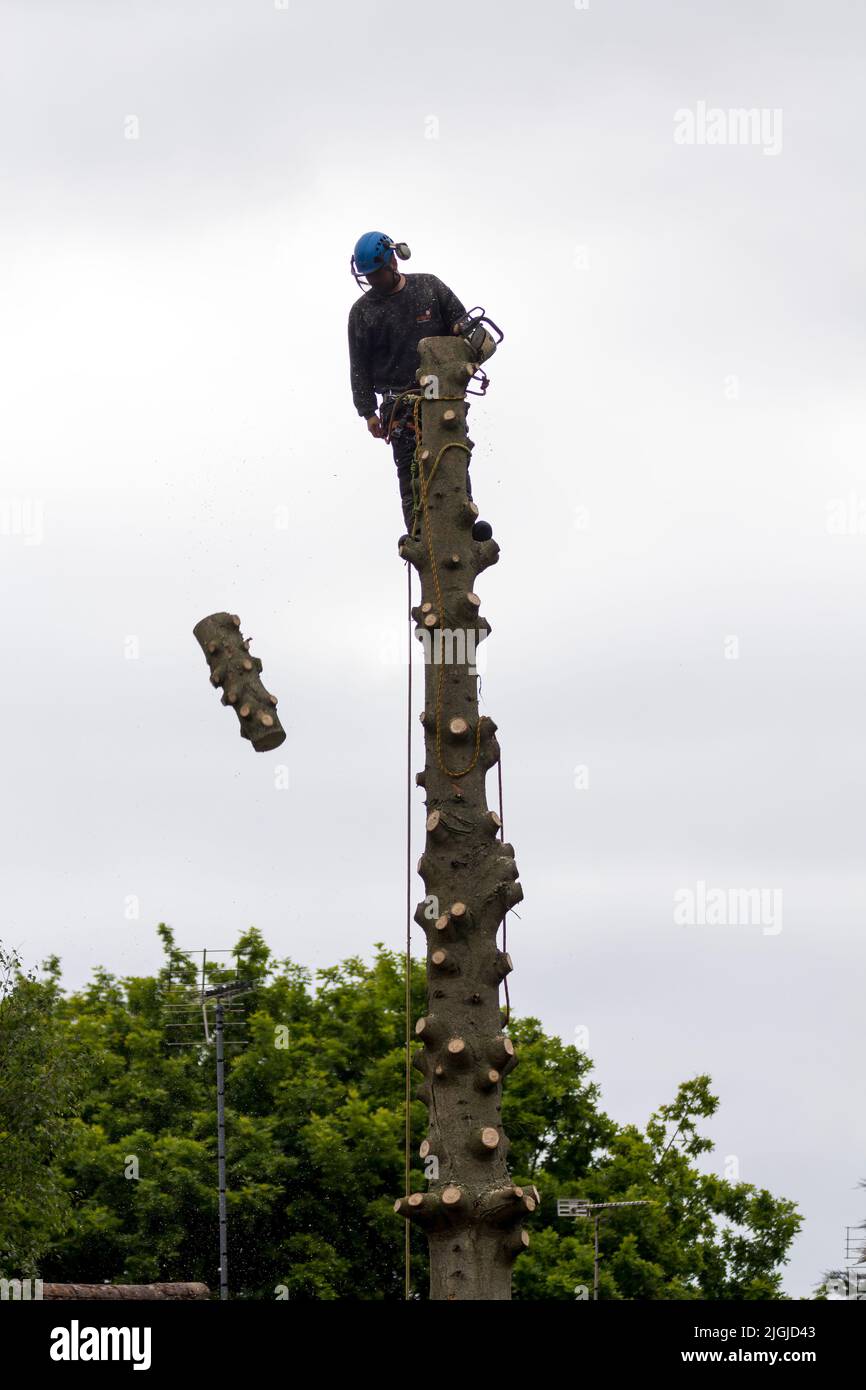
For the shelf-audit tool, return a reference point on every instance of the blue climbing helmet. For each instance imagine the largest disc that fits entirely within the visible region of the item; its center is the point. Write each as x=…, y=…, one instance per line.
x=372, y=251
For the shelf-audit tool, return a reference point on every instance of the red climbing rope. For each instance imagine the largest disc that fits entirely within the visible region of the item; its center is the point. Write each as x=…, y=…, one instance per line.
x=505, y=913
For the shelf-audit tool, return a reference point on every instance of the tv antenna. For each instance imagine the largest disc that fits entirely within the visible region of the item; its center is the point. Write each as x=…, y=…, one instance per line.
x=581, y=1206
x=187, y=1002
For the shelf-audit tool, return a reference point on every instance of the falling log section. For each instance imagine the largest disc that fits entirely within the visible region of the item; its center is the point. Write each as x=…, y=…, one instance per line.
x=231, y=666
x=472, y=1213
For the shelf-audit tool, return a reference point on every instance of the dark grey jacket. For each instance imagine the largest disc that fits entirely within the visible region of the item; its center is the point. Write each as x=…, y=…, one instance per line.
x=384, y=332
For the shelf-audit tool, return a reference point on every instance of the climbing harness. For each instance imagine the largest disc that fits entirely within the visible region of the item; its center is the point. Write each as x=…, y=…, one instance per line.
x=391, y=400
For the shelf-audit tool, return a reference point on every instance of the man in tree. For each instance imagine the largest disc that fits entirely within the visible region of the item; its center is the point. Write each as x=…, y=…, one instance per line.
x=385, y=327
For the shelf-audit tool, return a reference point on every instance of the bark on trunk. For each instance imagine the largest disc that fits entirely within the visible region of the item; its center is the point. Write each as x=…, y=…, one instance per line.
x=472, y=1212
x=131, y=1292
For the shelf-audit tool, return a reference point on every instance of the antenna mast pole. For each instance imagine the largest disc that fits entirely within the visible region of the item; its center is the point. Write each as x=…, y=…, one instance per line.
x=221, y=1150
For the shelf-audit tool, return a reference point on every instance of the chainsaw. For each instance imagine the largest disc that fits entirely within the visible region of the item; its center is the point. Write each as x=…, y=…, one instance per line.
x=474, y=334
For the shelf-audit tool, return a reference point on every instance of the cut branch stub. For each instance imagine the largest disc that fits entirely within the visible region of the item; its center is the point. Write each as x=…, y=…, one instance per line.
x=503, y=1206
x=510, y=895
x=458, y=1054
x=433, y=1210
x=502, y=965
x=444, y=960
x=507, y=868
x=486, y=554
x=501, y=1052
x=429, y=1030
x=515, y=1243
x=484, y=1142
x=231, y=667
x=454, y=1198
x=457, y=916
x=423, y=1207
x=421, y=915
x=412, y=549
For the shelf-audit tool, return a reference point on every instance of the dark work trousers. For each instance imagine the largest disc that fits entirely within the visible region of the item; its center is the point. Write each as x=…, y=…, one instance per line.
x=403, y=447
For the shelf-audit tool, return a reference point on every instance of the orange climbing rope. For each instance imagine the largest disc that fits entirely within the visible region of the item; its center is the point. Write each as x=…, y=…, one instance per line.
x=424, y=483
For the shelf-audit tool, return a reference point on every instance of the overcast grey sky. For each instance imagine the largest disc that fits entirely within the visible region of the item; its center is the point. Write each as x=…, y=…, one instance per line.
x=671, y=454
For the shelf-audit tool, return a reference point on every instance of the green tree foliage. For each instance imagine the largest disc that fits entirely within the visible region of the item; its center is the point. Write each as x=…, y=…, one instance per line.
x=700, y=1237
x=315, y=1149
x=39, y=1084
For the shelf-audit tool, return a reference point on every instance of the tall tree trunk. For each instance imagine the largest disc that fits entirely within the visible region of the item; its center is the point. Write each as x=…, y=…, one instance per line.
x=472, y=1212
x=129, y=1292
